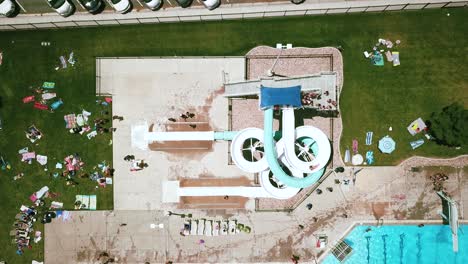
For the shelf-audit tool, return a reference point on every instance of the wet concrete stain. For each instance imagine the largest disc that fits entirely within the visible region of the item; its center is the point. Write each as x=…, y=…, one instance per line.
x=193, y=150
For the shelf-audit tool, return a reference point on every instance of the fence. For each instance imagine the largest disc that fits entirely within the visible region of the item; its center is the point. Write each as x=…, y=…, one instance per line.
x=239, y=11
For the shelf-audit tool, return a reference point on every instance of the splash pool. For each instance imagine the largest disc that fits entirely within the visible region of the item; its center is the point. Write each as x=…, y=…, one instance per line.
x=401, y=244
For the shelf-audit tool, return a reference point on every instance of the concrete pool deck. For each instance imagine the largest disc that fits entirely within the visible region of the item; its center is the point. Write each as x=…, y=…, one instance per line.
x=154, y=90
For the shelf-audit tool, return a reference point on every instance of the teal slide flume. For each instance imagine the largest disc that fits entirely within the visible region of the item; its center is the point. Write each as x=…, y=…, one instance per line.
x=272, y=158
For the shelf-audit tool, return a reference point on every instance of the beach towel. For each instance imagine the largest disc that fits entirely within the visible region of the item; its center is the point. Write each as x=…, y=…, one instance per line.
x=108, y=180
x=70, y=121
x=396, y=58
x=86, y=114
x=417, y=143
x=48, y=96
x=28, y=99
x=41, y=159
x=80, y=120
x=42, y=192
x=92, y=134
x=48, y=85
x=33, y=197
x=56, y=205
x=40, y=106
x=389, y=56
x=56, y=104
x=1, y=58
x=369, y=138
x=23, y=150
x=347, y=156
x=92, y=202
x=108, y=100
x=28, y=156
x=63, y=62
x=71, y=59
x=370, y=157
x=355, y=146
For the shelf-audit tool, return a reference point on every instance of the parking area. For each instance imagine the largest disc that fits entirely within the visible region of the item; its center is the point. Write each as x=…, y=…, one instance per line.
x=41, y=6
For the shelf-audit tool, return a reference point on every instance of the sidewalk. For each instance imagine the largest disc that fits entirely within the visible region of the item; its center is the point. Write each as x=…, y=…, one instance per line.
x=233, y=11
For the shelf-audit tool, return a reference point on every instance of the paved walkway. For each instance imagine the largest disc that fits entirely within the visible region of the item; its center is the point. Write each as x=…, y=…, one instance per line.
x=233, y=11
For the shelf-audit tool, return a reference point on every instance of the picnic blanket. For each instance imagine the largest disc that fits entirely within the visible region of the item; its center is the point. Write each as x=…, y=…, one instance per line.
x=88, y=202
x=70, y=121
x=41, y=159
x=377, y=59
x=28, y=99
x=48, y=85
x=355, y=146
x=369, y=138
x=48, y=96
x=396, y=58
x=40, y=106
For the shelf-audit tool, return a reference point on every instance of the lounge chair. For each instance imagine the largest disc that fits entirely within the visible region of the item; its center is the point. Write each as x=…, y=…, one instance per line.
x=187, y=225
x=232, y=227
x=224, y=227
x=208, y=228
x=201, y=227
x=216, y=228
x=194, y=227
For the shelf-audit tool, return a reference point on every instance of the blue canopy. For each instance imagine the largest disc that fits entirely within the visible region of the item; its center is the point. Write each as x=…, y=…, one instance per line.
x=270, y=97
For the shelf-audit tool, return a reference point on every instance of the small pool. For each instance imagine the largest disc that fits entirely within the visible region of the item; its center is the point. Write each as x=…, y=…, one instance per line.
x=398, y=244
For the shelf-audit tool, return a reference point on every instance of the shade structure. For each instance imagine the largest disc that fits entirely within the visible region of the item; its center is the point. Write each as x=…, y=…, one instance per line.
x=387, y=145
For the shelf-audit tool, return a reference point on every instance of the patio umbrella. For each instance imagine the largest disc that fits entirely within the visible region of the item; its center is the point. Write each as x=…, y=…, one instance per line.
x=387, y=145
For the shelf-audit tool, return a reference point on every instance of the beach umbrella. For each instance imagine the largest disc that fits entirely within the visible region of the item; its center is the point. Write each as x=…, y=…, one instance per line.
x=387, y=145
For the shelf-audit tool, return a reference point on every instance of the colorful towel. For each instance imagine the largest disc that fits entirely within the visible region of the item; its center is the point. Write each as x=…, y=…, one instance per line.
x=41, y=159
x=347, y=156
x=417, y=143
x=70, y=121
x=28, y=155
x=56, y=104
x=48, y=85
x=370, y=157
x=28, y=99
x=63, y=61
x=355, y=146
x=377, y=59
x=48, y=96
x=369, y=138
x=40, y=106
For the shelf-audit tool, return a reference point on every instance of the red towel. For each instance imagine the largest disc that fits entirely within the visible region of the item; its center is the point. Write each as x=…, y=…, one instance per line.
x=28, y=99
x=40, y=106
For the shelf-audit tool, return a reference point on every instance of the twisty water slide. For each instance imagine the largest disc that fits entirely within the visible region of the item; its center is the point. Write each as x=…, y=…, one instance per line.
x=283, y=168
x=290, y=134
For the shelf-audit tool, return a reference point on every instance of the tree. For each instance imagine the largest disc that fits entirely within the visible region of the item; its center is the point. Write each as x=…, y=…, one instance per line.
x=450, y=126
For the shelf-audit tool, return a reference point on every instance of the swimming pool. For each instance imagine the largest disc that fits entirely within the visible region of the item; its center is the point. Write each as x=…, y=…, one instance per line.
x=401, y=244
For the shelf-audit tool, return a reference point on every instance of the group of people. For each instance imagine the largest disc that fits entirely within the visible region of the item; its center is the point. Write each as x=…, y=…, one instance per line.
x=185, y=116
x=136, y=164
x=23, y=227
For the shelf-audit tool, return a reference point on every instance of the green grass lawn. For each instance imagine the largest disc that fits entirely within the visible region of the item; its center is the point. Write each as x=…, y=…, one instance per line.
x=433, y=74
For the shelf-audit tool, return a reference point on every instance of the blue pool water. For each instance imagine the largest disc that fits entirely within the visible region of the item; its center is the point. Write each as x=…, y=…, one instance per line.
x=395, y=244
